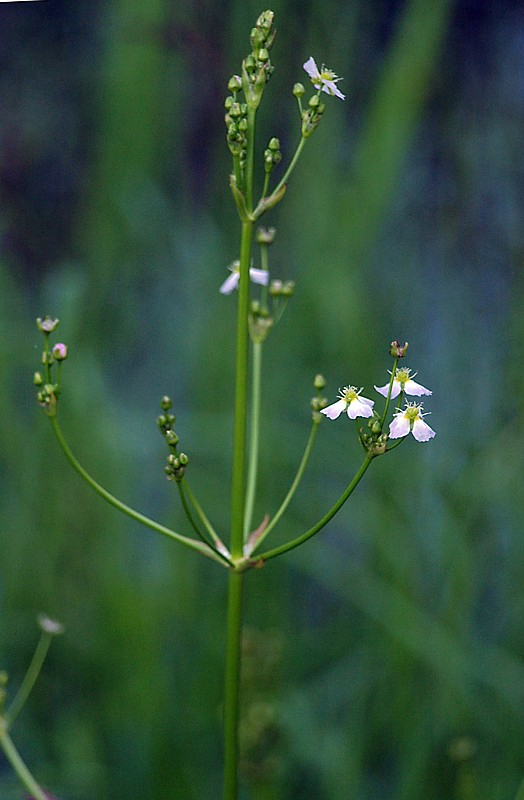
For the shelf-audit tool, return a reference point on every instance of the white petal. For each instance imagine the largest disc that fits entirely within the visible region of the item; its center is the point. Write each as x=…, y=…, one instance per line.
x=311, y=68
x=398, y=427
x=230, y=283
x=412, y=387
x=360, y=407
x=421, y=431
x=383, y=390
x=331, y=88
x=260, y=276
x=334, y=410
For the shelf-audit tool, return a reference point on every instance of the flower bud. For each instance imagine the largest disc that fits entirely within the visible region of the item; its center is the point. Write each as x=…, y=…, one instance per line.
x=166, y=403
x=38, y=379
x=319, y=383
x=172, y=438
x=299, y=90
x=235, y=84
x=60, y=351
x=51, y=626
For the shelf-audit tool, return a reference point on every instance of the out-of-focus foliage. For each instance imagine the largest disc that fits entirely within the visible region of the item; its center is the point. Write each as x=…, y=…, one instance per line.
x=389, y=650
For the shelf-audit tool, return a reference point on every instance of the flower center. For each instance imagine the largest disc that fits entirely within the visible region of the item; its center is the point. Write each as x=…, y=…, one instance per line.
x=402, y=375
x=413, y=411
x=349, y=393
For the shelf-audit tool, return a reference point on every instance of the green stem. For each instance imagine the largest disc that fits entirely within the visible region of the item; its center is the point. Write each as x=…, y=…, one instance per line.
x=520, y=792
x=256, y=390
x=291, y=167
x=388, y=398
x=130, y=512
x=15, y=759
x=232, y=685
x=292, y=489
x=185, y=489
x=30, y=677
x=277, y=551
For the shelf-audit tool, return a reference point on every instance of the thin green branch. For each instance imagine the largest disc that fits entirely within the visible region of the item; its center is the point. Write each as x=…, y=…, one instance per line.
x=19, y=766
x=277, y=551
x=291, y=167
x=200, y=547
x=218, y=544
x=30, y=677
x=252, y=474
x=298, y=477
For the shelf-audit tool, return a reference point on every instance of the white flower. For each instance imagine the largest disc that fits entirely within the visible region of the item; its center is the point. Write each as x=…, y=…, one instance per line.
x=351, y=402
x=410, y=419
x=324, y=79
x=403, y=382
x=260, y=276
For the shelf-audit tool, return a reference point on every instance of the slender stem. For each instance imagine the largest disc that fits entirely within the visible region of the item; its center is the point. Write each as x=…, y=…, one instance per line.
x=130, y=512
x=388, y=398
x=15, y=759
x=241, y=393
x=256, y=390
x=325, y=519
x=291, y=167
x=232, y=685
x=30, y=677
x=218, y=543
x=293, y=487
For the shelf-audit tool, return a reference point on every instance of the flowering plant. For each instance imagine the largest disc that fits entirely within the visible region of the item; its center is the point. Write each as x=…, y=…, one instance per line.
x=260, y=303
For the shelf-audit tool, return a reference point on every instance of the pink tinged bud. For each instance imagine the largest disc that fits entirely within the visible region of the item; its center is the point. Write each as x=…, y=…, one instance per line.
x=60, y=351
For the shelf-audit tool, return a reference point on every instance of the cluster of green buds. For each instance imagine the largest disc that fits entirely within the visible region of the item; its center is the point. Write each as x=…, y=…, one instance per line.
x=311, y=115
x=176, y=462
x=47, y=383
x=256, y=71
x=272, y=155
x=267, y=310
x=318, y=402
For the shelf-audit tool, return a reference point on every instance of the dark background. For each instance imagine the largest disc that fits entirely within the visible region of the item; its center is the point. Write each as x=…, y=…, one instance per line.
x=385, y=657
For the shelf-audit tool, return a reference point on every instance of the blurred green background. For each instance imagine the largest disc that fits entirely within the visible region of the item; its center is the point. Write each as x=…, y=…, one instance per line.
x=384, y=659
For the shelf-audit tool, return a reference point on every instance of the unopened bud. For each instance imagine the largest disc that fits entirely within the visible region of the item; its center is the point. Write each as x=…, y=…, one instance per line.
x=38, y=379
x=60, y=351
x=319, y=383
x=265, y=235
x=166, y=403
x=235, y=84
x=51, y=626
x=299, y=90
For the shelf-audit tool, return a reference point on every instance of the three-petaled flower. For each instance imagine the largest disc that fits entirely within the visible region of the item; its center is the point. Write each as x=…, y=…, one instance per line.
x=324, y=79
x=409, y=420
x=351, y=402
x=403, y=382
x=260, y=276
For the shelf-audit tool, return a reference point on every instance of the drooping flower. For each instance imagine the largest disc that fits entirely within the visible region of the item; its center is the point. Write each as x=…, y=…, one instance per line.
x=409, y=420
x=260, y=276
x=324, y=78
x=351, y=402
x=403, y=382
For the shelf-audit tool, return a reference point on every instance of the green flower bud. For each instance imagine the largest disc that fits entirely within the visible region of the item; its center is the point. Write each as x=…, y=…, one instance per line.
x=235, y=84
x=319, y=383
x=299, y=90
x=166, y=403
x=184, y=459
x=172, y=439
x=288, y=289
x=38, y=379
x=274, y=144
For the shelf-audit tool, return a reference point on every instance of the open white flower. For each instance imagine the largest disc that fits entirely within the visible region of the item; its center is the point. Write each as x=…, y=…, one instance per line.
x=351, y=402
x=403, y=382
x=410, y=420
x=324, y=79
x=260, y=276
